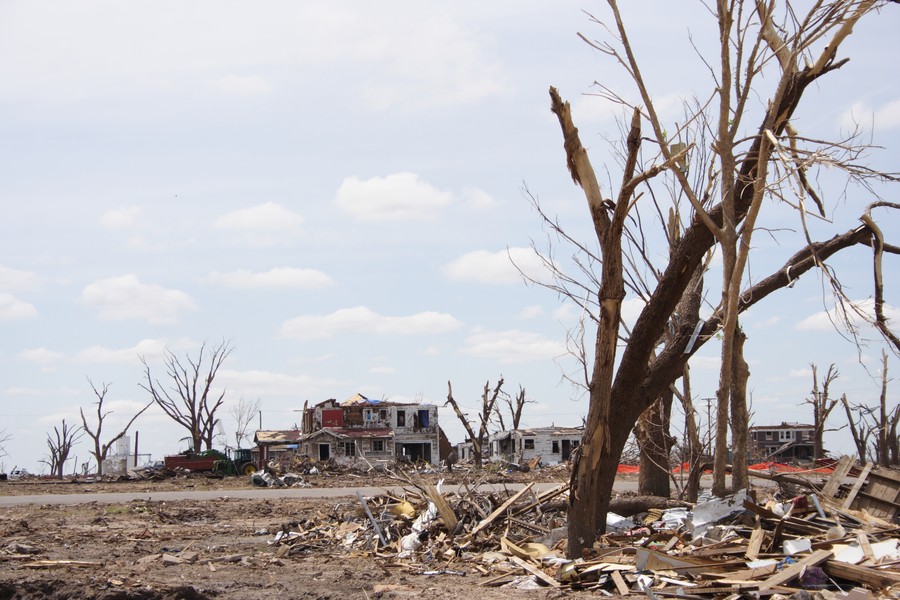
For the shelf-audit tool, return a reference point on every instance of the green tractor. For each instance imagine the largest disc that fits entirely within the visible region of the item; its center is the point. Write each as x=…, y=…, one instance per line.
x=240, y=463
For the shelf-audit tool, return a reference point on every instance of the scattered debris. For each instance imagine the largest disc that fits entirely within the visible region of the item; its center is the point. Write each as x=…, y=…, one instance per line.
x=717, y=548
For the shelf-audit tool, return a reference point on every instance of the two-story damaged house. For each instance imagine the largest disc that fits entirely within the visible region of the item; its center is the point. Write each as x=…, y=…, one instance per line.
x=551, y=445
x=371, y=429
x=788, y=441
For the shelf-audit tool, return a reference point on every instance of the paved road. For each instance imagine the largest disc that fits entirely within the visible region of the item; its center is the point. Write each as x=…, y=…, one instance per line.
x=116, y=497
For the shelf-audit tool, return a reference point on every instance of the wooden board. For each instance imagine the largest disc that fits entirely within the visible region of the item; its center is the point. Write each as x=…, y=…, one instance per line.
x=837, y=478
x=796, y=569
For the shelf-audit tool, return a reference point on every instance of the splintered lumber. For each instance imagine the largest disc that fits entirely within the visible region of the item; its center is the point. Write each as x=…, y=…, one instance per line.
x=447, y=514
x=49, y=564
x=857, y=485
x=865, y=546
x=541, y=499
x=534, y=571
x=841, y=469
x=620, y=584
x=872, y=577
x=755, y=544
x=501, y=509
x=796, y=569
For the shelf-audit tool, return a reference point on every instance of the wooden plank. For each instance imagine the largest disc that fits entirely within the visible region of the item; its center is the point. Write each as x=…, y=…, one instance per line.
x=865, y=546
x=447, y=514
x=534, y=571
x=755, y=544
x=837, y=478
x=857, y=485
x=501, y=509
x=864, y=575
x=785, y=575
x=620, y=584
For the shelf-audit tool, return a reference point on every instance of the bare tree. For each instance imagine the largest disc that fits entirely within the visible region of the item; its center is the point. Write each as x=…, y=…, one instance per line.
x=243, y=414
x=856, y=419
x=515, y=406
x=488, y=402
x=60, y=445
x=885, y=427
x=189, y=400
x=101, y=450
x=725, y=189
x=822, y=406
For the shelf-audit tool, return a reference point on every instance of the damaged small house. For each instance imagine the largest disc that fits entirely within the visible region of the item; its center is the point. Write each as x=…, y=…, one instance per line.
x=361, y=428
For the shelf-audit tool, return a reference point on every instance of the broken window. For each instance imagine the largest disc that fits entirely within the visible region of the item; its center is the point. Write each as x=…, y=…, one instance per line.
x=423, y=418
x=401, y=418
x=382, y=414
x=555, y=447
x=377, y=445
x=349, y=448
x=529, y=443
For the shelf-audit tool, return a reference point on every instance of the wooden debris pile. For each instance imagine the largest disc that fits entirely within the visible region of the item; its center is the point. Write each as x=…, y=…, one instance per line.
x=725, y=548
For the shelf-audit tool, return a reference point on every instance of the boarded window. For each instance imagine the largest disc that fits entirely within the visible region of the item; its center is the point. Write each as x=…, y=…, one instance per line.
x=333, y=417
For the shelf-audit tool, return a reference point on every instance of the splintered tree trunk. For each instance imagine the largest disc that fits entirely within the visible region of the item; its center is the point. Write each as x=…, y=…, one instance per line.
x=654, y=441
x=740, y=374
x=593, y=476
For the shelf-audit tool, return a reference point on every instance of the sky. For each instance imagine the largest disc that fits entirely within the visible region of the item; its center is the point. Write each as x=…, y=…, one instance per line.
x=336, y=190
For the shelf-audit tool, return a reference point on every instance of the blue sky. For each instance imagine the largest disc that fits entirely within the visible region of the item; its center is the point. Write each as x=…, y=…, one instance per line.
x=336, y=188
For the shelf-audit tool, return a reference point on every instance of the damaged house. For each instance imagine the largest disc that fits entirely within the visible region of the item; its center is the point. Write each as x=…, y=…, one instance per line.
x=551, y=445
x=375, y=430
x=783, y=443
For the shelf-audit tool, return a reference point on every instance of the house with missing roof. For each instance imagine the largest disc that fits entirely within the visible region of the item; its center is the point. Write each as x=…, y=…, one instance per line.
x=361, y=428
x=783, y=443
x=550, y=445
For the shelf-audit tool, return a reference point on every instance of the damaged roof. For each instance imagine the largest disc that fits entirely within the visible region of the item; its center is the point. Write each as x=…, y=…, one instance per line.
x=352, y=433
x=284, y=436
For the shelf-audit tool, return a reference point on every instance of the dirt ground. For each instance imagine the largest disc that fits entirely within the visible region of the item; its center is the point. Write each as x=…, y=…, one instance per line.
x=222, y=548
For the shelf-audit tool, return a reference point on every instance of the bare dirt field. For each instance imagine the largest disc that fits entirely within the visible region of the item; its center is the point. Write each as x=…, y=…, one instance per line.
x=224, y=548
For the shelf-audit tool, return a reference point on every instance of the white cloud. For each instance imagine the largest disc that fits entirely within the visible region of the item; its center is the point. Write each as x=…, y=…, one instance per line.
x=262, y=225
x=799, y=374
x=41, y=356
x=477, y=199
x=883, y=118
x=513, y=346
x=257, y=383
x=363, y=320
x=767, y=323
x=14, y=279
x=500, y=267
x=705, y=363
x=394, y=197
x=382, y=370
x=150, y=349
x=121, y=218
x=125, y=297
x=427, y=62
x=13, y=309
x=277, y=278
x=828, y=320
x=530, y=312
x=416, y=57
x=242, y=85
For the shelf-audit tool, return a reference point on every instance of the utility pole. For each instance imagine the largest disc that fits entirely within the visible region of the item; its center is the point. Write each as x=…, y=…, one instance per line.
x=709, y=425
